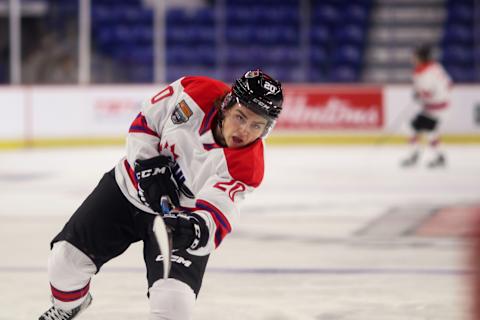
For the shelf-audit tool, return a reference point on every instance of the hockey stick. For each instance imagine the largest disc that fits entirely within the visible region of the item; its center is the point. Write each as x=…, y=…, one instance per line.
x=163, y=236
x=399, y=119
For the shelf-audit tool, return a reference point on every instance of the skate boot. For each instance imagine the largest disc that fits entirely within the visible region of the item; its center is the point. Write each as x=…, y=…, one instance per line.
x=55, y=313
x=410, y=161
x=439, y=161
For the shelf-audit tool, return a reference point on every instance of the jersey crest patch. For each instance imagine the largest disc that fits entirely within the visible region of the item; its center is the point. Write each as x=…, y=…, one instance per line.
x=182, y=113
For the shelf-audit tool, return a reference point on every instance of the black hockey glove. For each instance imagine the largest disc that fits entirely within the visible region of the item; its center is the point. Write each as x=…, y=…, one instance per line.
x=189, y=230
x=155, y=180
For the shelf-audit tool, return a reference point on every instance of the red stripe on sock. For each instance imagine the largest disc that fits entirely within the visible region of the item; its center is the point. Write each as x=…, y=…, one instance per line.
x=435, y=142
x=68, y=296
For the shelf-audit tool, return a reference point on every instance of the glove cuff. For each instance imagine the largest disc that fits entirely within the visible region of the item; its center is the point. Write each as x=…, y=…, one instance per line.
x=200, y=231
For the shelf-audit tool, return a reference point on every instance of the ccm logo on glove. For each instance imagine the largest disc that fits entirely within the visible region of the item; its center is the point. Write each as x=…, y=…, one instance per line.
x=150, y=172
x=155, y=180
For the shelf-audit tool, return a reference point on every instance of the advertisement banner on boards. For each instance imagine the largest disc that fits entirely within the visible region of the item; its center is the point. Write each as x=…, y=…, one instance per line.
x=332, y=107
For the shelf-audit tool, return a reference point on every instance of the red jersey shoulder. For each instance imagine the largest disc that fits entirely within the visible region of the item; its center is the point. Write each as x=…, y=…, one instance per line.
x=423, y=68
x=246, y=164
x=204, y=91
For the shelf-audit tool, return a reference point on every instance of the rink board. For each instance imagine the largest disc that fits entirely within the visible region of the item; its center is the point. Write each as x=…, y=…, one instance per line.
x=313, y=114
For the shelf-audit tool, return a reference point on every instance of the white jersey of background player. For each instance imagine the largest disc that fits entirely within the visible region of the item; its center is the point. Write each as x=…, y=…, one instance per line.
x=197, y=142
x=431, y=86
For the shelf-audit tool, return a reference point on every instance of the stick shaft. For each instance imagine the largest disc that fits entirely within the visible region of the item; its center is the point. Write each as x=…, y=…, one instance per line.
x=163, y=239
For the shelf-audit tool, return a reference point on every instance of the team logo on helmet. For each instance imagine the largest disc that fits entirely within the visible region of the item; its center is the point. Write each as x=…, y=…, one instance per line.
x=252, y=74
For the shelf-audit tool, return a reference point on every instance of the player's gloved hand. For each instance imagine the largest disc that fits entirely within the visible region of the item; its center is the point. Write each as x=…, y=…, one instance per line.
x=155, y=180
x=189, y=230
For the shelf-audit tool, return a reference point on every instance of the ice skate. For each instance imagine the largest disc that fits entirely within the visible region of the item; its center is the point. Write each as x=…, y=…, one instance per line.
x=410, y=161
x=55, y=313
x=439, y=161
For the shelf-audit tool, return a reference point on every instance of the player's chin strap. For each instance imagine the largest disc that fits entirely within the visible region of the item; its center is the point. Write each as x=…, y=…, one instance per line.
x=268, y=128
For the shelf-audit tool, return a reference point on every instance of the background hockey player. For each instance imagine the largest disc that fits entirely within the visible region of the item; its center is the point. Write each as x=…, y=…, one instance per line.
x=431, y=85
x=198, y=142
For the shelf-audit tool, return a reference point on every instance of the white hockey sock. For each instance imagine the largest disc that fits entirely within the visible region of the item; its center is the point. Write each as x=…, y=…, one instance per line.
x=69, y=272
x=171, y=299
x=434, y=143
x=415, y=144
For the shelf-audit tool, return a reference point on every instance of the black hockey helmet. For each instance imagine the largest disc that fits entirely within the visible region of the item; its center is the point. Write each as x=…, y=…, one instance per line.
x=259, y=92
x=423, y=53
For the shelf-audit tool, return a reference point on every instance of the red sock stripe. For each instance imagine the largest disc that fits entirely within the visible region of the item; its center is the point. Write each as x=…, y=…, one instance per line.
x=435, y=142
x=67, y=296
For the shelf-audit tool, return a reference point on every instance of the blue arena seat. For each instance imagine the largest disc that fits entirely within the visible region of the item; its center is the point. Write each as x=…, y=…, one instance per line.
x=266, y=55
x=142, y=54
x=350, y=33
x=461, y=73
x=179, y=55
x=131, y=14
x=457, y=54
x=318, y=56
x=325, y=13
x=277, y=14
x=348, y=54
x=141, y=73
x=284, y=54
x=458, y=34
x=270, y=3
x=182, y=35
x=176, y=16
x=344, y=73
x=320, y=34
x=193, y=27
x=355, y=13
x=102, y=14
x=240, y=15
x=137, y=3
x=205, y=55
x=460, y=12
x=104, y=37
x=204, y=16
x=238, y=55
x=458, y=42
x=276, y=35
x=240, y=34
x=204, y=34
x=316, y=75
x=266, y=32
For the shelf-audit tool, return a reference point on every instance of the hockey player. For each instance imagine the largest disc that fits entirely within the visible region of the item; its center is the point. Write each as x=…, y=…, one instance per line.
x=431, y=85
x=198, y=142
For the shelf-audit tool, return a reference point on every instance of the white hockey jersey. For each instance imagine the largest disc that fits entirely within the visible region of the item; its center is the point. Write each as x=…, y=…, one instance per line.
x=432, y=84
x=177, y=122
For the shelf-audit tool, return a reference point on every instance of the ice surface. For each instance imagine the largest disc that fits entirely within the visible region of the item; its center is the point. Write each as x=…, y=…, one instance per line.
x=295, y=254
